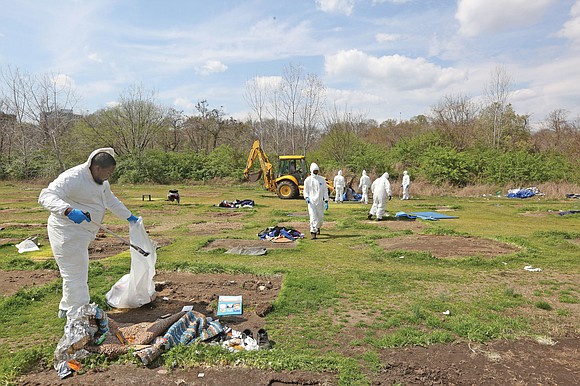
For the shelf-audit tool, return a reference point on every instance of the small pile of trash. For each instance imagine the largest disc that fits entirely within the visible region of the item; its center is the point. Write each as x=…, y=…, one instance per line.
x=236, y=204
x=278, y=232
x=524, y=193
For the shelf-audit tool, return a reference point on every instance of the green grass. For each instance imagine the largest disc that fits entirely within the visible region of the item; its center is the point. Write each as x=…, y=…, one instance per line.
x=339, y=292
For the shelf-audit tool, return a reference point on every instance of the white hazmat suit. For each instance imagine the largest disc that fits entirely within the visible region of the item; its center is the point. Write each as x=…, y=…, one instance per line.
x=381, y=189
x=405, y=184
x=339, y=185
x=363, y=186
x=76, y=188
x=316, y=196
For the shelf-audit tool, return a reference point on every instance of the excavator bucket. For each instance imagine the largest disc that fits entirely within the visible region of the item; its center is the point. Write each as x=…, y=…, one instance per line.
x=255, y=176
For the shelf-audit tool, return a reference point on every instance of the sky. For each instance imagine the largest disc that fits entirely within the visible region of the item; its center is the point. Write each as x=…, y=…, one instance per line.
x=384, y=59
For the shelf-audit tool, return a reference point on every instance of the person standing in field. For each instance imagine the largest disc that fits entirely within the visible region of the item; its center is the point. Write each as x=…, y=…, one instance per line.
x=363, y=186
x=74, y=198
x=339, y=185
x=381, y=189
x=405, y=185
x=316, y=196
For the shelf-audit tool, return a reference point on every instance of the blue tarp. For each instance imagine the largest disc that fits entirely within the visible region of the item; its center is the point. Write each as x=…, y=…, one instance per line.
x=403, y=215
x=432, y=216
x=522, y=193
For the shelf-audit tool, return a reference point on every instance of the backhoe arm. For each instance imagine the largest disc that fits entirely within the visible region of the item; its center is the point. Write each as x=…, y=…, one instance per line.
x=265, y=165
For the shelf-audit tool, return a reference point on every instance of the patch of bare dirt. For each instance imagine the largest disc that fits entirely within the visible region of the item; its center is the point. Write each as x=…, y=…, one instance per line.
x=210, y=228
x=399, y=225
x=235, y=243
x=12, y=281
x=227, y=213
x=448, y=246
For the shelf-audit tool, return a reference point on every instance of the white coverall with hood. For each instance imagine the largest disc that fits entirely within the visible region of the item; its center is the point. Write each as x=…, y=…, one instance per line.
x=364, y=185
x=76, y=188
x=405, y=184
x=381, y=189
x=339, y=185
x=316, y=193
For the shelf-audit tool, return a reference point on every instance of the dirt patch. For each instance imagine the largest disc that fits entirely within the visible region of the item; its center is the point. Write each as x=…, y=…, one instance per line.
x=234, y=243
x=227, y=213
x=12, y=281
x=210, y=228
x=575, y=241
x=522, y=362
x=400, y=225
x=448, y=246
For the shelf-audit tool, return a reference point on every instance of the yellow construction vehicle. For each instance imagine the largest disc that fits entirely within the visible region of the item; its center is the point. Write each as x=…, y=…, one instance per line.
x=289, y=179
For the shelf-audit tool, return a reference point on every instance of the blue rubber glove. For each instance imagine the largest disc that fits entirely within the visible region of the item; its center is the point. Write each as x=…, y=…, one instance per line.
x=132, y=219
x=78, y=216
x=325, y=205
x=308, y=200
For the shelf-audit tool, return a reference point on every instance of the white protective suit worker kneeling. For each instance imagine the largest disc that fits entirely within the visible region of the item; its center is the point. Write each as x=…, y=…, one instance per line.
x=381, y=189
x=76, y=192
x=339, y=185
x=316, y=196
x=405, y=185
x=364, y=185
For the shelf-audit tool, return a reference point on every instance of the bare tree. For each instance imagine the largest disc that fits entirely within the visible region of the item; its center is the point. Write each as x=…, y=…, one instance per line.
x=311, y=111
x=256, y=95
x=497, y=92
x=456, y=117
x=291, y=99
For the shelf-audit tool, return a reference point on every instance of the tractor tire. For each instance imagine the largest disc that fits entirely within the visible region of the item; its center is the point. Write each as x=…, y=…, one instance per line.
x=287, y=190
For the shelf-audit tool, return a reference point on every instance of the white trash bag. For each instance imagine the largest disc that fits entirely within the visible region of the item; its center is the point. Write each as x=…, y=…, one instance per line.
x=137, y=287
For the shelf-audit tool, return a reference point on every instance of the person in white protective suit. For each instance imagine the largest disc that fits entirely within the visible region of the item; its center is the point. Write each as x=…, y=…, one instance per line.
x=363, y=186
x=76, y=192
x=339, y=185
x=316, y=196
x=405, y=185
x=381, y=189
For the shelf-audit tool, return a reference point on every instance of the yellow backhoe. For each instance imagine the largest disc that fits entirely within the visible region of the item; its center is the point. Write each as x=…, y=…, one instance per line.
x=290, y=176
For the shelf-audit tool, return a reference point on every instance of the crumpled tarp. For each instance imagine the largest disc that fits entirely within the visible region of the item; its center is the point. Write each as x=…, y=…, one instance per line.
x=523, y=193
x=432, y=216
x=252, y=251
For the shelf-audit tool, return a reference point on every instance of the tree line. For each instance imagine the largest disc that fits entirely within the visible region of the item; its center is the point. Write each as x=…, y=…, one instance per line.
x=460, y=141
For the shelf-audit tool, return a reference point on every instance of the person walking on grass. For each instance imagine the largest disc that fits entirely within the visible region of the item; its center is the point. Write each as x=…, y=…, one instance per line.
x=405, y=185
x=316, y=196
x=381, y=189
x=74, y=198
x=339, y=185
x=363, y=186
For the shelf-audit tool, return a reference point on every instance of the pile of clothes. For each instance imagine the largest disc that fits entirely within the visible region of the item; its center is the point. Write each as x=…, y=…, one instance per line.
x=277, y=232
x=94, y=332
x=236, y=204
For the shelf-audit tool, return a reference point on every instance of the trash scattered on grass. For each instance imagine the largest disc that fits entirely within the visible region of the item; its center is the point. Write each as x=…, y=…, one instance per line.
x=28, y=245
x=532, y=269
x=447, y=312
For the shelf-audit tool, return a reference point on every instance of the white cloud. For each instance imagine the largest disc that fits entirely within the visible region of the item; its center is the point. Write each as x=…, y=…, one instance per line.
x=488, y=16
x=266, y=82
x=184, y=104
x=336, y=6
x=571, y=29
x=64, y=81
x=211, y=67
x=383, y=37
x=394, y=71
x=390, y=1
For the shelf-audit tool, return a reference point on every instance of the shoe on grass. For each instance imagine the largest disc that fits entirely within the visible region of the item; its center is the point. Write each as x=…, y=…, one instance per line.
x=262, y=340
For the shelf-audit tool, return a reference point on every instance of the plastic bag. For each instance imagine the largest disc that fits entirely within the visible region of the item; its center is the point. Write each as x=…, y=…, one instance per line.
x=137, y=287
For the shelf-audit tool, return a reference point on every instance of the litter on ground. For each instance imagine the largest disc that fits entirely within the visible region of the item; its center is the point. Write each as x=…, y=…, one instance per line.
x=432, y=216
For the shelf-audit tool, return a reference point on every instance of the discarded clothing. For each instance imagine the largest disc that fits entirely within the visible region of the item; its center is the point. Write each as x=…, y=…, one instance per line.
x=523, y=193
x=572, y=195
x=405, y=216
x=191, y=327
x=271, y=233
x=569, y=212
x=237, y=204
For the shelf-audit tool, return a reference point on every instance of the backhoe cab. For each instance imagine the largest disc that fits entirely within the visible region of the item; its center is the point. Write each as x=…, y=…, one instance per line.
x=289, y=179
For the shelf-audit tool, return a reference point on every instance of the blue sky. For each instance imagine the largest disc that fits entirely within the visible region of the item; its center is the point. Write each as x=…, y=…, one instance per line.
x=386, y=59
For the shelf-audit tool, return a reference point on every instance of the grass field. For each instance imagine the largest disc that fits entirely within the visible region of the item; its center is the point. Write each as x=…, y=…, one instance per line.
x=344, y=297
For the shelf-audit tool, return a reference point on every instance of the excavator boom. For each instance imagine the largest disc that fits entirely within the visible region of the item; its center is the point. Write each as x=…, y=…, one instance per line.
x=266, y=168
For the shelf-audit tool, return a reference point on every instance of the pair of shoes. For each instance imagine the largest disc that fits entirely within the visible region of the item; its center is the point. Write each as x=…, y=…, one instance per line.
x=262, y=340
x=379, y=219
x=61, y=314
x=312, y=235
x=370, y=216
x=247, y=333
